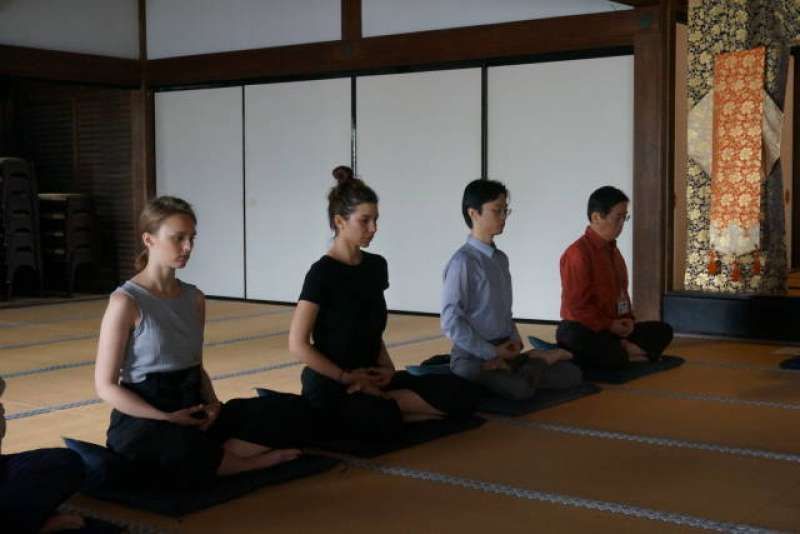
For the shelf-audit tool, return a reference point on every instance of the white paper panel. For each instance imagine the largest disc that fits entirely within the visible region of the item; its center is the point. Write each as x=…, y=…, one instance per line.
x=557, y=131
x=296, y=133
x=103, y=27
x=180, y=28
x=419, y=144
x=382, y=17
x=199, y=158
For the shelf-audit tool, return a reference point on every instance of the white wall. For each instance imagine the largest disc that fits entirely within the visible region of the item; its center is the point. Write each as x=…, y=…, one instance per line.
x=557, y=131
x=103, y=27
x=180, y=27
x=419, y=144
x=199, y=158
x=381, y=17
x=296, y=133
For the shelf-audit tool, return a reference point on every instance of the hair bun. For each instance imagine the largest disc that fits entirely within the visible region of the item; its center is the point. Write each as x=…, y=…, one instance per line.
x=342, y=174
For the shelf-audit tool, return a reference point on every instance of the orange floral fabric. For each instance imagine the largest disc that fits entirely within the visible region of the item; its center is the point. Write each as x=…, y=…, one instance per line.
x=736, y=167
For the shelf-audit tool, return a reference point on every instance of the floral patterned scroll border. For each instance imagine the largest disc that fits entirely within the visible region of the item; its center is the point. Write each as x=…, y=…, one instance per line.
x=717, y=26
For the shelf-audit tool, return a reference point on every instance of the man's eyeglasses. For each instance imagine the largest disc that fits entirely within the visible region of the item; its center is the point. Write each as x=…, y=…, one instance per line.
x=501, y=212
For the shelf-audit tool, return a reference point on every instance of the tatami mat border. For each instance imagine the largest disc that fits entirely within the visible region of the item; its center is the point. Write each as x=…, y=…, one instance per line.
x=650, y=392
x=555, y=498
x=648, y=440
x=87, y=317
x=48, y=369
x=223, y=376
x=53, y=341
x=744, y=366
x=64, y=339
x=53, y=408
x=132, y=527
x=84, y=363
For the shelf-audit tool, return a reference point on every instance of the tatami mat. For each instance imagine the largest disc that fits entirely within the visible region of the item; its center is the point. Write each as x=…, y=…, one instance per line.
x=713, y=444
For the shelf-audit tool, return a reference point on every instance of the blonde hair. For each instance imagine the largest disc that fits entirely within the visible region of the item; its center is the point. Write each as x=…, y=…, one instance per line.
x=153, y=216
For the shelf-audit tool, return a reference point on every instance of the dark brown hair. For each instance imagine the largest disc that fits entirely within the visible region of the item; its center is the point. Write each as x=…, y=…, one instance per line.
x=347, y=194
x=153, y=216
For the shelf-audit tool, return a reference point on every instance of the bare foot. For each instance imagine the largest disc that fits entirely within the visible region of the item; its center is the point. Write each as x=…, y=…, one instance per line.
x=634, y=351
x=244, y=449
x=551, y=356
x=61, y=522
x=279, y=456
x=417, y=417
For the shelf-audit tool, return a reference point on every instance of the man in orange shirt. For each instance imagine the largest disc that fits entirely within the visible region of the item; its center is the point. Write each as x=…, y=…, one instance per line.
x=598, y=325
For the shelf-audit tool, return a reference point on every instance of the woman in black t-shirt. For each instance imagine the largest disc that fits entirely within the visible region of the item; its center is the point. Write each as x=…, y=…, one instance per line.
x=349, y=375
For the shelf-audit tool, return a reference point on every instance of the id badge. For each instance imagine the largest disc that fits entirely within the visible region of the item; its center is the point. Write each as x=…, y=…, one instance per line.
x=623, y=307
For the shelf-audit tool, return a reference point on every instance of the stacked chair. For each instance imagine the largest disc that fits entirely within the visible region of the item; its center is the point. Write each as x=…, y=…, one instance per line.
x=19, y=216
x=68, y=230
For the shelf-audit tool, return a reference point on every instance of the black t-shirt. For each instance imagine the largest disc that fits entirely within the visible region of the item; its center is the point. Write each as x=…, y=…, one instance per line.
x=352, y=310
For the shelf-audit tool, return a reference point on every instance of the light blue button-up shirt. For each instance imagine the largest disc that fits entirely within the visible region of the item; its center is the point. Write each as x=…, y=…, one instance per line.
x=476, y=305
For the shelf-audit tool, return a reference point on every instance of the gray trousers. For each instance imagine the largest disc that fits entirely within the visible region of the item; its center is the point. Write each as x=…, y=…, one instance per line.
x=527, y=375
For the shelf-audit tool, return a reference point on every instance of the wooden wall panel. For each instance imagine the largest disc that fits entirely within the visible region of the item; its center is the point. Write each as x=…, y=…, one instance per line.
x=80, y=139
x=104, y=170
x=47, y=126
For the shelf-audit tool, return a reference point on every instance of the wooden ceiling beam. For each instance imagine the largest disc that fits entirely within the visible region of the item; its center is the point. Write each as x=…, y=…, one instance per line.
x=52, y=65
x=351, y=20
x=638, y=3
x=474, y=43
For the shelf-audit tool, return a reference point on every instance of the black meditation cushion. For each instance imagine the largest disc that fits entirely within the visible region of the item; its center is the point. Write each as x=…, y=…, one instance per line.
x=110, y=477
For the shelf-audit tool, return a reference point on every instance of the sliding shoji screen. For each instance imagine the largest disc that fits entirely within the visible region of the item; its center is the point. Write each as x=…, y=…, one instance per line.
x=199, y=158
x=419, y=143
x=296, y=133
x=556, y=132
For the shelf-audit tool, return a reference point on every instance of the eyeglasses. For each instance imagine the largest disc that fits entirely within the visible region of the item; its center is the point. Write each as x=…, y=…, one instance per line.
x=618, y=219
x=501, y=212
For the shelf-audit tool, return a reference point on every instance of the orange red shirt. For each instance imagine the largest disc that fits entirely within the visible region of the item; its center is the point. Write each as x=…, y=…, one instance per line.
x=594, y=282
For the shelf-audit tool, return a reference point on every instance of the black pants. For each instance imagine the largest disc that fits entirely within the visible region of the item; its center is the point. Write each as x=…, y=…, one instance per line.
x=186, y=456
x=33, y=484
x=367, y=417
x=603, y=350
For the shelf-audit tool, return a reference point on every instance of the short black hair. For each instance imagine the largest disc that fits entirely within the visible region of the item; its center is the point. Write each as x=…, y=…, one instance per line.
x=479, y=192
x=603, y=200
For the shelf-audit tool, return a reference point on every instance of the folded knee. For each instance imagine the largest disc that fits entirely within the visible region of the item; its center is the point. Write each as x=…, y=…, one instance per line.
x=519, y=393
x=373, y=418
x=569, y=375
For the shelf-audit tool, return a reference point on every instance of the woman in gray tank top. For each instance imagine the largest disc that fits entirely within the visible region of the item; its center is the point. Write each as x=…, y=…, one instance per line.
x=167, y=418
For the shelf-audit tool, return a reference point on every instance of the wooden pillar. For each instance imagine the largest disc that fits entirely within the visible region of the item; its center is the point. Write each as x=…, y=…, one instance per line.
x=143, y=131
x=654, y=75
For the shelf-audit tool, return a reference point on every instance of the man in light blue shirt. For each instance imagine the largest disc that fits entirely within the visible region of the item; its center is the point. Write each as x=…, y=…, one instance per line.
x=476, y=308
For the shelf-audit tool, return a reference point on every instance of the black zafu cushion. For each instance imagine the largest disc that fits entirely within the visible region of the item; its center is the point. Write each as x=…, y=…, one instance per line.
x=110, y=477
x=413, y=434
x=791, y=363
x=543, y=398
x=632, y=370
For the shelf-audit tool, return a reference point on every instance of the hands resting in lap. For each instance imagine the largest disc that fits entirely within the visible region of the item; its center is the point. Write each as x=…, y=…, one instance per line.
x=510, y=350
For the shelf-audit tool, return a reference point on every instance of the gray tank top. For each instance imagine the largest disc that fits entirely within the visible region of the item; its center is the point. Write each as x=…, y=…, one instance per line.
x=169, y=336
